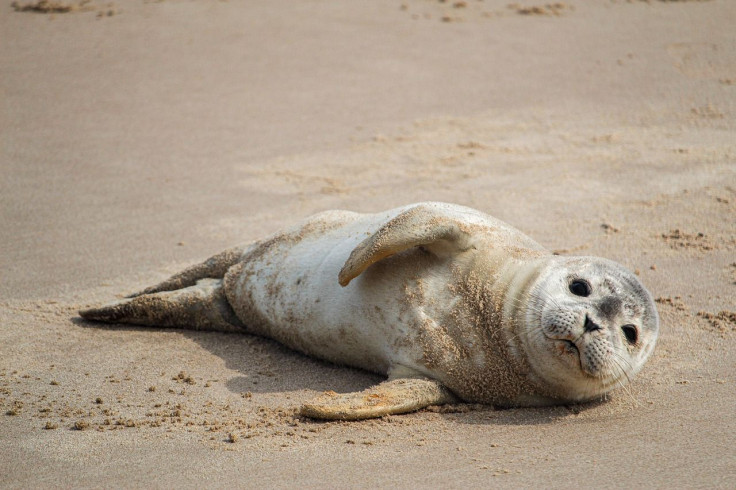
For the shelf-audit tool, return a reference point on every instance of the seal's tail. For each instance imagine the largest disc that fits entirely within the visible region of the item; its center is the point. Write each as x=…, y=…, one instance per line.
x=202, y=306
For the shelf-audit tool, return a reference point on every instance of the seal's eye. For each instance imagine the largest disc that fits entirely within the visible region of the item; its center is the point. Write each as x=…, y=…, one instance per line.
x=631, y=333
x=580, y=287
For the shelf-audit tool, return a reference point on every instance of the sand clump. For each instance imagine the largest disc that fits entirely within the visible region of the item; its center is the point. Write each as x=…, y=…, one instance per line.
x=52, y=7
x=678, y=239
x=554, y=9
x=56, y=7
x=723, y=321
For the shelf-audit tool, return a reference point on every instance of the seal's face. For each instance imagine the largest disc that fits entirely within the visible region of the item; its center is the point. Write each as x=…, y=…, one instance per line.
x=591, y=326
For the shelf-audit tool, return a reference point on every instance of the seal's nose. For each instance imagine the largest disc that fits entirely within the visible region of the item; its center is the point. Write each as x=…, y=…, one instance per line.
x=590, y=325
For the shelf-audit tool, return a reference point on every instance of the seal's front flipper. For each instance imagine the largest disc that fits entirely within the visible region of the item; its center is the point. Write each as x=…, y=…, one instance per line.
x=199, y=307
x=424, y=225
x=388, y=398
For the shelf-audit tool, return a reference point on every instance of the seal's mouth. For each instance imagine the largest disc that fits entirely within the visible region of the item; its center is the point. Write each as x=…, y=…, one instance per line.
x=571, y=354
x=563, y=346
x=569, y=348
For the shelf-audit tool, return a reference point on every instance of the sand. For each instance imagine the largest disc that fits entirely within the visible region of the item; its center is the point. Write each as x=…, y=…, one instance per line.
x=141, y=137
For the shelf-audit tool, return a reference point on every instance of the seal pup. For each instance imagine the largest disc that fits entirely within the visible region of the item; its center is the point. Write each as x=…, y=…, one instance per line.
x=447, y=302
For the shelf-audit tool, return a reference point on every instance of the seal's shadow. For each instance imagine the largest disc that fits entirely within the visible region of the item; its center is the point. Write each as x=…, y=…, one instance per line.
x=269, y=367
x=266, y=366
x=523, y=416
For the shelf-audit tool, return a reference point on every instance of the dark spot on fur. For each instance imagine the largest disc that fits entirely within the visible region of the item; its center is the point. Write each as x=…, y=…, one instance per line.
x=610, y=306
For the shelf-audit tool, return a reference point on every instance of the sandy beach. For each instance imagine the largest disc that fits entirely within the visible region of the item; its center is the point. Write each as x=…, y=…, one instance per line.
x=140, y=137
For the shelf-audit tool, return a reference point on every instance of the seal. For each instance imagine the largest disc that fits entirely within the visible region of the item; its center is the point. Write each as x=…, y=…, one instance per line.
x=447, y=302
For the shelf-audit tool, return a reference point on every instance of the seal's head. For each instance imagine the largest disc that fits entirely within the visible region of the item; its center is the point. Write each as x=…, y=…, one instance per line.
x=590, y=326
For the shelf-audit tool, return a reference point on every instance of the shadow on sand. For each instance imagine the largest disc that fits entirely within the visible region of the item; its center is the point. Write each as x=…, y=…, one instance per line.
x=268, y=367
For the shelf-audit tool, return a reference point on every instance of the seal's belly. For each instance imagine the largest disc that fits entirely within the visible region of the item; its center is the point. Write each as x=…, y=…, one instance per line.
x=289, y=292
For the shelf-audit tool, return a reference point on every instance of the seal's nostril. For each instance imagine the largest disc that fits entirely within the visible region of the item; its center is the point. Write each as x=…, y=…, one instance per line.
x=590, y=325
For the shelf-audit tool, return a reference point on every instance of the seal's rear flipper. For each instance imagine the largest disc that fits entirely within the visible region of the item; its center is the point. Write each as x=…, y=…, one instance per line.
x=215, y=267
x=391, y=397
x=199, y=307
